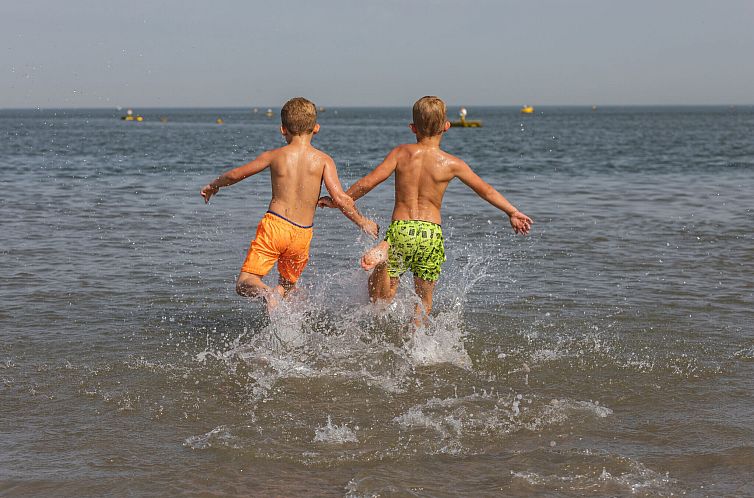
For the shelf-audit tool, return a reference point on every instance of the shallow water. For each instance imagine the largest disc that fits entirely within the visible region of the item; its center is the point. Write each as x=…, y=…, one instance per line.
x=610, y=352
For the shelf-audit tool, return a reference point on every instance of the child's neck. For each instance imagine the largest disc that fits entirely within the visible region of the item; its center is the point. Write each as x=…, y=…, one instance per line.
x=433, y=141
x=305, y=139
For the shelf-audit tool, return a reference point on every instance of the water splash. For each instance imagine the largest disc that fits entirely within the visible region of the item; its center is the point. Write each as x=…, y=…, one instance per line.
x=313, y=335
x=334, y=434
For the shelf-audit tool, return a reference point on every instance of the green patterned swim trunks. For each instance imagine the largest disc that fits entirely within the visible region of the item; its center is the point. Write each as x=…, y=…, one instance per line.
x=417, y=246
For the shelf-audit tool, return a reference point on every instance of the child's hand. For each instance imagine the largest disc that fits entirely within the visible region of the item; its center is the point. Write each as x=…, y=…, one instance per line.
x=520, y=222
x=326, y=201
x=208, y=191
x=371, y=228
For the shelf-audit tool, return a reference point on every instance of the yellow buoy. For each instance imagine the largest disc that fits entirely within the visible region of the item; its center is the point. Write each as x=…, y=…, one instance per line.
x=527, y=109
x=219, y=121
x=463, y=122
x=130, y=116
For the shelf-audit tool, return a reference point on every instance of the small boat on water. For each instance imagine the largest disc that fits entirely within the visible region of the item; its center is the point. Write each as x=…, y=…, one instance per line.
x=268, y=113
x=130, y=116
x=463, y=122
x=527, y=109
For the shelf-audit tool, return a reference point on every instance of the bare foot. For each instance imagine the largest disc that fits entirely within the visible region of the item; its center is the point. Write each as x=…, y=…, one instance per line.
x=375, y=256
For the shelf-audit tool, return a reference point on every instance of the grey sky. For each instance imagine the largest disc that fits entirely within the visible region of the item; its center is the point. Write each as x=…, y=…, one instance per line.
x=73, y=53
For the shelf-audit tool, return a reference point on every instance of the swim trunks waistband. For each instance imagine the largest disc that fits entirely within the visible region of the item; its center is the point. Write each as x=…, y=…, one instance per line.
x=415, y=221
x=289, y=221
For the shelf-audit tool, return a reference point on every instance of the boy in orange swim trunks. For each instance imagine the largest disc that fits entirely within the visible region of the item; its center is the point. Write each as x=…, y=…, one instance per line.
x=285, y=232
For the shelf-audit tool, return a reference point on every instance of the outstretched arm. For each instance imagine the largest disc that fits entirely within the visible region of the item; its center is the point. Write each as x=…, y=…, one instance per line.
x=344, y=202
x=236, y=175
x=363, y=185
x=519, y=221
x=378, y=175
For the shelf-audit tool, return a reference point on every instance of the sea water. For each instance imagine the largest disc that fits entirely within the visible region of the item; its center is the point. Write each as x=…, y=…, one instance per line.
x=610, y=352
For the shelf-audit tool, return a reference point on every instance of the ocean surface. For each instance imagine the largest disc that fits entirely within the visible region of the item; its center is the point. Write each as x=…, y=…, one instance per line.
x=608, y=353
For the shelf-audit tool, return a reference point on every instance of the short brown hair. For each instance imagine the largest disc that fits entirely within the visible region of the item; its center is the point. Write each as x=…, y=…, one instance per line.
x=298, y=116
x=429, y=116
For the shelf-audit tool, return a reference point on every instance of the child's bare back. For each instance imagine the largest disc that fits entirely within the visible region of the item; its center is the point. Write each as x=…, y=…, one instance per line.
x=414, y=240
x=284, y=234
x=422, y=174
x=296, y=172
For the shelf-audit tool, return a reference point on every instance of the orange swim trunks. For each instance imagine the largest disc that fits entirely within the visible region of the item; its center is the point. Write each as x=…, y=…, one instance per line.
x=279, y=239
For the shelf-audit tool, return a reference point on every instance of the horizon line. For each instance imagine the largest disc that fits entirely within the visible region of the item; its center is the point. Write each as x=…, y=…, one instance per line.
x=120, y=108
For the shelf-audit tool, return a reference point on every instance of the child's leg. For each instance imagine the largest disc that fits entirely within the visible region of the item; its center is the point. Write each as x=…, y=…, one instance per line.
x=251, y=285
x=382, y=287
x=285, y=286
x=289, y=270
x=424, y=289
x=293, y=261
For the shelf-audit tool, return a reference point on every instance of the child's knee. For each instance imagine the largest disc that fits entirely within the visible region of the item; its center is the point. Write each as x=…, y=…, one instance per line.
x=243, y=289
x=246, y=287
x=286, y=284
x=385, y=293
x=391, y=292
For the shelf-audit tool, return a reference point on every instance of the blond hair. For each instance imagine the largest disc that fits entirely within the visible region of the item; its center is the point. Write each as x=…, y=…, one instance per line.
x=298, y=116
x=429, y=116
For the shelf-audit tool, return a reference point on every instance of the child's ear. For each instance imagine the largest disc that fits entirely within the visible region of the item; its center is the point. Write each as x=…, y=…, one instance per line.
x=315, y=130
x=446, y=127
x=413, y=128
x=283, y=131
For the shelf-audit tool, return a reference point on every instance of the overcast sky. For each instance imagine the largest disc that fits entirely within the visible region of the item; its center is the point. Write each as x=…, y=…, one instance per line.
x=107, y=53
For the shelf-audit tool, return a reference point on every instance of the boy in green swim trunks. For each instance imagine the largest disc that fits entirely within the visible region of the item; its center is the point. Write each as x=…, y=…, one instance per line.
x=414, y=239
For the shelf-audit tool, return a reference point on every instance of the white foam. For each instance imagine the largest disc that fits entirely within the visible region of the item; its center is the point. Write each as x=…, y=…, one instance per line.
x=415, y=417
x=634, y=477
x=314, y=336
x=334, y=434
x=745, y=353
x=220, y=436
x=436, y=344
